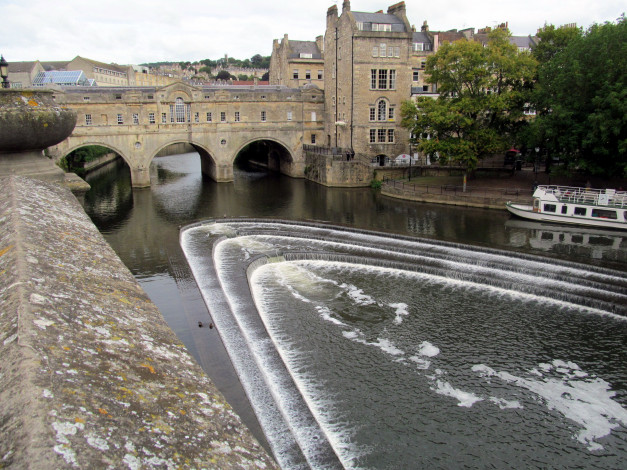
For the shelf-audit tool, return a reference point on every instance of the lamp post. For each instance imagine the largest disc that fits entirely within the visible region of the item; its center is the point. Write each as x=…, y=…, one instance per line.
x=4, y=72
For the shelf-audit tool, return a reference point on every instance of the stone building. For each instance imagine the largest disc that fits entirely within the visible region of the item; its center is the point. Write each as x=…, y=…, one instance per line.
x=103, y=74
x=22, y=74
x=368, y=74
x=297, y=63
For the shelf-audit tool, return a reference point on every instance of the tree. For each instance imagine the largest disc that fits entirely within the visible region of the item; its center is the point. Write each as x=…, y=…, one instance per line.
x=256, y=60
x=581, y=101
x=224, y=75
x=483, y=91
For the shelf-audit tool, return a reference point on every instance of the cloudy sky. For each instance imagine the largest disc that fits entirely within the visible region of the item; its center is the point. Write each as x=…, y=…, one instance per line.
x=136, y=31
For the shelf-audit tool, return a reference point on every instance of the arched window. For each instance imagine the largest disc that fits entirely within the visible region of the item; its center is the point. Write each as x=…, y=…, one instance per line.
x=382, y=108
x=179, y=109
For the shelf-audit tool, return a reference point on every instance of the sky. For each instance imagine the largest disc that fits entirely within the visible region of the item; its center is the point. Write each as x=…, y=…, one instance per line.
x=139, y=31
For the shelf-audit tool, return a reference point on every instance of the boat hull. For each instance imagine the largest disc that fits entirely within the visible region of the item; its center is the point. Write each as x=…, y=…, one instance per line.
x=526, y=211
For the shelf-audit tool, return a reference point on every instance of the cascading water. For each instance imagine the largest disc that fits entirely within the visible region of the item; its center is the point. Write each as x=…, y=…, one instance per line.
x=362, y=350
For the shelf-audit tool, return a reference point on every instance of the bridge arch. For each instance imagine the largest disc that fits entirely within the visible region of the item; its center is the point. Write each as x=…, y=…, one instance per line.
x=87, y=143
x=280, y=156
x=208, y=161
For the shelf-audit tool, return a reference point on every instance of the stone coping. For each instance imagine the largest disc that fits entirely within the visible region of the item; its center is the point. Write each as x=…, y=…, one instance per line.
x=91, y=376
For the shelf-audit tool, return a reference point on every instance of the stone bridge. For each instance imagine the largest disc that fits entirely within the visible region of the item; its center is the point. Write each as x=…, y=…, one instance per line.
x=219, y=122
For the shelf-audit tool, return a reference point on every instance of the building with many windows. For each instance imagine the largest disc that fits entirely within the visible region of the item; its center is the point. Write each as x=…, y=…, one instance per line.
x=297, y=63
x=368, y=70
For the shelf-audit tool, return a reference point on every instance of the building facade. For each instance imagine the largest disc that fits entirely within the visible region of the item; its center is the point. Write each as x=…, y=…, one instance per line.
x=368, y=70
x=297, y=63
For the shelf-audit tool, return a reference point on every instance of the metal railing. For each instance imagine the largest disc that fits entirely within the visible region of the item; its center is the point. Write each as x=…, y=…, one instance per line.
x=457, y=191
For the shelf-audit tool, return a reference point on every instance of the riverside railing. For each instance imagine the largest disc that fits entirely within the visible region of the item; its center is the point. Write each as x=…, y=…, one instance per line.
x=457, y=191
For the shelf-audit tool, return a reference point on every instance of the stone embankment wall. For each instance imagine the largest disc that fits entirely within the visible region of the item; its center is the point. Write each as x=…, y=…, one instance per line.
x=91, y=376
x=453, y=195
x=335, y=172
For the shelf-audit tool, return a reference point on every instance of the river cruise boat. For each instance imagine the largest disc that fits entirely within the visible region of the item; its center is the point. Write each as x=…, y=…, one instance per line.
x=602, y=208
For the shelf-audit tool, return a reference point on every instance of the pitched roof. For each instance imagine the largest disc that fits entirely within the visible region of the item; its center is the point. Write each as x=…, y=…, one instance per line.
x=304, y=47
x=21, y=67
x=419, y=36
x=75, y=77
x=380, y=18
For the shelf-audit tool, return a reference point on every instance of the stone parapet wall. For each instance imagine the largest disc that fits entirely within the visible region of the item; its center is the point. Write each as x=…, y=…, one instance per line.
x=91, y=376
x=333, y=172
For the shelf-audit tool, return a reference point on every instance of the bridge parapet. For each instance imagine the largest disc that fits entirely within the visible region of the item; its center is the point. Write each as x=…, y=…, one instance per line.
x=138, y=122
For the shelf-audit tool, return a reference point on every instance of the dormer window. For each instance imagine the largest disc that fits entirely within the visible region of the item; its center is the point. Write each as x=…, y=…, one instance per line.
x=304, y=55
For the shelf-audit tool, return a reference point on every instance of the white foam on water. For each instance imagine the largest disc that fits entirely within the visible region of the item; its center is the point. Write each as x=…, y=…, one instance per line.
x=421, y=362
x=401, y=311
x=465, y=399
x=577, y=396
x=504, y=404
x=428, y=349
x=357, y=295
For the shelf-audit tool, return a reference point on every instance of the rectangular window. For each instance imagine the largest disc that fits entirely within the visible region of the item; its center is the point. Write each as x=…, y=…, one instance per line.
x=391, y=114
x=120, y=119
x=391, y=136
x=263, y=116
x=415, y=75
x=604, y=214
x=85, y=98
x=88, y=119
x=382, y=50
x=564, y=209
x=289, y=115
x=549, y=208
x=392, y=79
x=390, y=51
x=222, y=116
x=333, y=100
x=308, y=74
x=118, y=97
x=375, y=51
x=397, y=52
x=313, y=138
x=151, y=118
x=580, y=211
x=196, y=117
x=383, y=79
x=209, y=117
x=381, y=135
x=313, y=116
x=135, y=119
x=320, y=75
x=373, y=113
x=373, y=136
x=423, y=64
x=164, y=118
x=295, y=74
x=236, y=116
x=418, y=47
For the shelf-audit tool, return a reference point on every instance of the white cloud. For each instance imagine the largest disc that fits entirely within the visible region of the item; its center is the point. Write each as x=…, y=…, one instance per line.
x=134, y=31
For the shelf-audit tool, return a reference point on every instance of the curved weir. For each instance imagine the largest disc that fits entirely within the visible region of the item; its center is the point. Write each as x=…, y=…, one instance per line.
x=364, y=350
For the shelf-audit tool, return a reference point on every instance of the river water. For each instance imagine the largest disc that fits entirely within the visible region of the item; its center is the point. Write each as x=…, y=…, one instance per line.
x=401, y=368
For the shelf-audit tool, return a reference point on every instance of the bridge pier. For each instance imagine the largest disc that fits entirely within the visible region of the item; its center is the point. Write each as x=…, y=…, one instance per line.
x=220, y=173
x=140, y=177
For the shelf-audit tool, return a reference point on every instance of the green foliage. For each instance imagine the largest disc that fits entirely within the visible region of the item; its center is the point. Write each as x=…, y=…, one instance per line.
x=75, y=160
x=581, y=100
x=224, y=75
x=483, y=91
x=376, y=184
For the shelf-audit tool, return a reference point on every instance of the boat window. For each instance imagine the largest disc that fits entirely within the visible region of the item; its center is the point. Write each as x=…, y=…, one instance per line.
x=580, y=211
x=549, y=208
x=564, y=209
x=604, y=214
